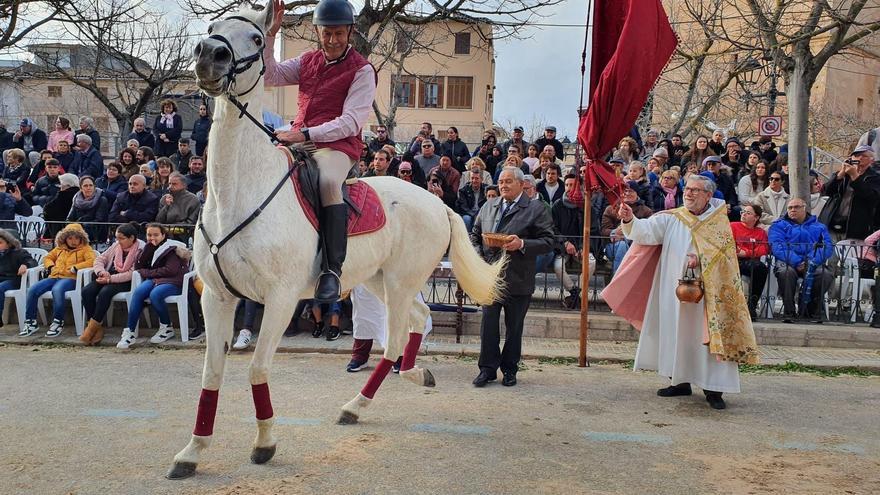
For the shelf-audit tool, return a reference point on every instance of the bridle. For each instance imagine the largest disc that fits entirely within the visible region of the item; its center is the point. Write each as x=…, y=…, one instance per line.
x=240, y=65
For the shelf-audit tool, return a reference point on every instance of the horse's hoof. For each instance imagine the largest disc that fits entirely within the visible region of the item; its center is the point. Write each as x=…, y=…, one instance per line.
x=347, y=418
x=181, y=470
x=429, y=379
x=262, y=455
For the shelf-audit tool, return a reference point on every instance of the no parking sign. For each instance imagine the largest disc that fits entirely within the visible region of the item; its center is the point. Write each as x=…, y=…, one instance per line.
x=770, y=125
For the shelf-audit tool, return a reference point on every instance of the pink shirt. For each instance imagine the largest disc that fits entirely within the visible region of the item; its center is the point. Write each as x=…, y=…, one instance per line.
x=56, y=136
x=868, y=251
x=358, y=103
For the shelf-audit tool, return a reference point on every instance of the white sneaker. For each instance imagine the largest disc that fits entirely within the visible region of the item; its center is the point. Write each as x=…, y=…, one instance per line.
x=30, y=328
x=243, y=341
x=127, y=339
x=165, y=332
x=55, y=328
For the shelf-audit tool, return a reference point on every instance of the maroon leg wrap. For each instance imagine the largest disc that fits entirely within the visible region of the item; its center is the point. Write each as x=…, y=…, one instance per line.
x=360, y=351
x=411, y=351
x=376, y=378
x=206, y=413
x=262, y=402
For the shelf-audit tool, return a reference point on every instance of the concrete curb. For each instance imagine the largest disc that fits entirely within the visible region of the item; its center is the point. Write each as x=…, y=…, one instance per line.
x=605, y=352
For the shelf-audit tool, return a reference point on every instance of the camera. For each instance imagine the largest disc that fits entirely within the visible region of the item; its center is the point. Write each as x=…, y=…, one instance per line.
x=10, y=186
x=851, y=162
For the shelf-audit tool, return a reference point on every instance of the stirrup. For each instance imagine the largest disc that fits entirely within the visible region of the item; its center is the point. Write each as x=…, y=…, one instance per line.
x=327, y=299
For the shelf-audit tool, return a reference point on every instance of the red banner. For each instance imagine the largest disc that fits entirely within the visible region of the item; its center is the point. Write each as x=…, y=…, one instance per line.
x=632, y=42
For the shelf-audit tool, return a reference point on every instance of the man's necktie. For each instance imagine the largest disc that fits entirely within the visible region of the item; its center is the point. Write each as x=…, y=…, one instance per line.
x=505, y=206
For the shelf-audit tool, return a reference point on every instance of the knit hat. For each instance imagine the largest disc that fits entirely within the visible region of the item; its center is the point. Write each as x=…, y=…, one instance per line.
x=732, y=140
x=69, y=180
x=405, y=166
x=709, y=159
x=661, y=152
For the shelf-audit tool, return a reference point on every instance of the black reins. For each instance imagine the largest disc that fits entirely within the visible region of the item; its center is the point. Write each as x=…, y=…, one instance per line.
x=239, y=66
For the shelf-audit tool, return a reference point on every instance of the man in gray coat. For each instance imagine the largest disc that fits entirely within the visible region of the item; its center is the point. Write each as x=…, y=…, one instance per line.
x=531, y=233
x=178, y=206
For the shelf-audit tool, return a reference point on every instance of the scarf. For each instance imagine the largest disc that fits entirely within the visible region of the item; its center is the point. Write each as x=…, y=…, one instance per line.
x=568, y=204
x=730, y=334
x=669, y=200
x=778, y=201
x=168, y=119
x=575, y=197
x=123, y=261
x=81, y=203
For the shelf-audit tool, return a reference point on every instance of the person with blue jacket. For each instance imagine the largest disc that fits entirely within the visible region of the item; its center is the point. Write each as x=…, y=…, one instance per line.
x=799, y=242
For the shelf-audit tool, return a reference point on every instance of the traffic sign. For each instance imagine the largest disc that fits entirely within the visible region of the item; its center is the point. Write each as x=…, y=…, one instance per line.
x=770, y=125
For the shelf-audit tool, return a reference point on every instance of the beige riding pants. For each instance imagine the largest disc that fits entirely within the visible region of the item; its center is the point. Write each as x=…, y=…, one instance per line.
x=334, y=166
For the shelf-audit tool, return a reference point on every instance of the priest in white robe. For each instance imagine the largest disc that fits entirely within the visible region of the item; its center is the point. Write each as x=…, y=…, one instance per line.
x=691, y=343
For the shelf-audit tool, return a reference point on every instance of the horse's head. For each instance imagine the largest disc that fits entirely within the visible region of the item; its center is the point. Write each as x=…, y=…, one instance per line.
x=230, y=59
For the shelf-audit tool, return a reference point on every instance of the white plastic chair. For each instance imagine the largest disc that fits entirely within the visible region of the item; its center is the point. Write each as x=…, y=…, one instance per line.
x=182, y=302
x=126, y=298
x=20, y=294
x=30, y=228
x=854, y=286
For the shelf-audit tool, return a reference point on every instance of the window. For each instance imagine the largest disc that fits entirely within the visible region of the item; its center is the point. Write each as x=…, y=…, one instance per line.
x=50, y=121
x=404, y=91
x=860, y=108
x=54, y=91
x=102, y=124
x=459, y=92
x=430, y=92
x=462, y=43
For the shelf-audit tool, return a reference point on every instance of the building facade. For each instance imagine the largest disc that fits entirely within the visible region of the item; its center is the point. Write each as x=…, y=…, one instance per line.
x=443, y=74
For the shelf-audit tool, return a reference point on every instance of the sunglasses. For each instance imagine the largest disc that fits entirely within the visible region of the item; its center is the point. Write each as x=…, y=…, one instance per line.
x=427, y=146
x=405, y=172
x=381, y=132
x=775, y=179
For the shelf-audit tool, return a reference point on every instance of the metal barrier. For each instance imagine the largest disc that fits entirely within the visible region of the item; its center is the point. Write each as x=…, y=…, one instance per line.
x=849, y=298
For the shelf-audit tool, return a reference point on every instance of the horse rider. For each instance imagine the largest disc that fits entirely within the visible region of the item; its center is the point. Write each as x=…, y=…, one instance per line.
x=336, y=91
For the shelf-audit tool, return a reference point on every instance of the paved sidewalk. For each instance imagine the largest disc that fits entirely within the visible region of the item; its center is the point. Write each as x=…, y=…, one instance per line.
x=533, y=348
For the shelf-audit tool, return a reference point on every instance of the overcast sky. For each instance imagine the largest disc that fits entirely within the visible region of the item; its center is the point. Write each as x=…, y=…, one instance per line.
x=539, y=78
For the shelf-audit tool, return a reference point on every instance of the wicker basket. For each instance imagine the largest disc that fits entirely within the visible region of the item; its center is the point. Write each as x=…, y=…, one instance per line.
x=496, y=240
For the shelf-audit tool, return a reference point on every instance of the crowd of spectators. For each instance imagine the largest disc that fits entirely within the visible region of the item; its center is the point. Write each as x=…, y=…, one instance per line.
x=773, y=235
x=160, y=177
x=775, y=232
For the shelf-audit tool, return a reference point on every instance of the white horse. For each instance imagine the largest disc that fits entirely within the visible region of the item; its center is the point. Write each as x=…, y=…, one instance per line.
x=274, y=260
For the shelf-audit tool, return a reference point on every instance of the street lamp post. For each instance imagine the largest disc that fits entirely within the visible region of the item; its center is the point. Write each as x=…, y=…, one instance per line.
x=749, y=77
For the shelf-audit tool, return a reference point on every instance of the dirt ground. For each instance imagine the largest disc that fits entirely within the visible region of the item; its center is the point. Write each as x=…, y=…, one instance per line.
x=97, y=421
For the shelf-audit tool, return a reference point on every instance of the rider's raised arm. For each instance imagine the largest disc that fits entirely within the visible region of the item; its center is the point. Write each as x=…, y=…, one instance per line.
x=283, y=74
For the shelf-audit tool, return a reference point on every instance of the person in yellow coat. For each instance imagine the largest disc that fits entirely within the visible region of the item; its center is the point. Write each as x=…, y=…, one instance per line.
x=72, y=252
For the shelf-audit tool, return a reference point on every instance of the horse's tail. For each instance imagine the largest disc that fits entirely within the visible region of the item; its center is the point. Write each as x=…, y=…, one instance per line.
x=482, y=281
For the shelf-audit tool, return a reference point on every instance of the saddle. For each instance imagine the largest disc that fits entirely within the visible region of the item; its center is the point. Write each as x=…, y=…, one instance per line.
x=365, y=211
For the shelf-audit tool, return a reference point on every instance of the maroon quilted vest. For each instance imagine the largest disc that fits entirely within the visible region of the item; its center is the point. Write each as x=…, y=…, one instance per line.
x=322, y=92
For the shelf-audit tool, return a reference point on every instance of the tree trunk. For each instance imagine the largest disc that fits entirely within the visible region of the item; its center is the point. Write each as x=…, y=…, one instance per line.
x=125, y=128
x=799, y=86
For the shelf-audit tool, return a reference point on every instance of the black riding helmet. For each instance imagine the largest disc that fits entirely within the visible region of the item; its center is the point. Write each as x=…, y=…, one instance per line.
x=333, y=13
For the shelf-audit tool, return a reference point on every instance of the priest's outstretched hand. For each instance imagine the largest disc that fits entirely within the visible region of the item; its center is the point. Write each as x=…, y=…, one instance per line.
x=624, y=212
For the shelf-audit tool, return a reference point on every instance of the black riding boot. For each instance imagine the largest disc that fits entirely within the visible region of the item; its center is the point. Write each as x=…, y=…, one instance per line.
x=334, y=240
